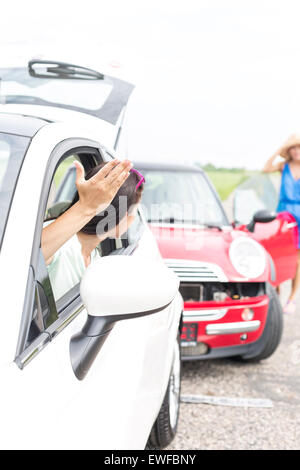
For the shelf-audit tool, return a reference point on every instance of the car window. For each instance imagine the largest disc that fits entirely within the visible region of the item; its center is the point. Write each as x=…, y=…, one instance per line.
x=63, y=187
x=256, y=193
x=135, y=230
x=4, y=157
x=12, y=152
x=180, y=196
x=67, y=266
x=57, y=284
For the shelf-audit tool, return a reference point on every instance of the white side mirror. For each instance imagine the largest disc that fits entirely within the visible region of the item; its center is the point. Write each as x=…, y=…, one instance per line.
x=116, y=288
x=125, y=285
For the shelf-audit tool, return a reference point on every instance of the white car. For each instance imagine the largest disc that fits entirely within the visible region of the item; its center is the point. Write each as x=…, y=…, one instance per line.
x=62, y=386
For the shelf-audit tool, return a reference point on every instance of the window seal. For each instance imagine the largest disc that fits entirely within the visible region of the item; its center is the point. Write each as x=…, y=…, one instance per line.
x=59, y=152
x=38, y=344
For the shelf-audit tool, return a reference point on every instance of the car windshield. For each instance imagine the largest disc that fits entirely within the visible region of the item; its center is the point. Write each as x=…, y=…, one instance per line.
x=12, y=151
x=181, y=197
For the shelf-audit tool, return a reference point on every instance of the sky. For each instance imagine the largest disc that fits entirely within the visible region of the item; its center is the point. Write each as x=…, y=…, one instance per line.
x=216, y=81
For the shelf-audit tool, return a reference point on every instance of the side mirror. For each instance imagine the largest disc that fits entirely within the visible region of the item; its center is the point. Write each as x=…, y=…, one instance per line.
x=116, y=288
x=263, y=216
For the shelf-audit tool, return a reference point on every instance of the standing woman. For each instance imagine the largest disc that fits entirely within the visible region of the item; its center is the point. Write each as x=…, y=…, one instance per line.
x=289, y=198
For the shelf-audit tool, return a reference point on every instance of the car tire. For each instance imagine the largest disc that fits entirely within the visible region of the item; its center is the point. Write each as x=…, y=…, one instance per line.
x=273, y=329
x=165, y=426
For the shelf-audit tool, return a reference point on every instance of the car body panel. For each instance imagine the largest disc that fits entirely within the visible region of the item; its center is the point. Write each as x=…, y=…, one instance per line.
x=200, y=256
x=210, y=247
x=280, y=239
x=231, y=311
x=80, y=122
x=201, y=244
x=17, y=124
x=44, y=405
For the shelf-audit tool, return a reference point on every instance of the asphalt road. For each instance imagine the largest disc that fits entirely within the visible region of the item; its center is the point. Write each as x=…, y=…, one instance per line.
x=203, y=426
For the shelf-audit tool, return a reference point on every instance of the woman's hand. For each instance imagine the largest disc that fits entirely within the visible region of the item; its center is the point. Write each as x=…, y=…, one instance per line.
x=271, y=166
x=96, y=194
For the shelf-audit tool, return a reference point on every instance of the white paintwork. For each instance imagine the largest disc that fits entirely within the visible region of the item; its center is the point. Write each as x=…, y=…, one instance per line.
x=98, y=128
x=174, y=389
x=44, y=405
x=106, y=287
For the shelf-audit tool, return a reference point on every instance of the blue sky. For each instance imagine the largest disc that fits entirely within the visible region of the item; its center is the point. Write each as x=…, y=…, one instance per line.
x=216, y=81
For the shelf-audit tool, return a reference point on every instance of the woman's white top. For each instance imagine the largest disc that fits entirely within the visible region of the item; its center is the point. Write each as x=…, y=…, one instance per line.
x=67, y=266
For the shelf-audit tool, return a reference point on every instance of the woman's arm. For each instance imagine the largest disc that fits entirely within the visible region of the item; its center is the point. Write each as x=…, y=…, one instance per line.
x=270, y=166
x=95, y=195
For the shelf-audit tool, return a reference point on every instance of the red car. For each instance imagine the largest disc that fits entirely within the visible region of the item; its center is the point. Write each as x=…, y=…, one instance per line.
x=227, y=271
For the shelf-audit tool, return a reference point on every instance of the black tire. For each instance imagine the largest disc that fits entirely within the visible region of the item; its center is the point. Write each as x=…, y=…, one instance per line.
x=164, y=430
x=273, y=330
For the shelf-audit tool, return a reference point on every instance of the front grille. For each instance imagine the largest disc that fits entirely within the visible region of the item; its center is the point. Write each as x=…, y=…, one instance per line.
x=196, y=271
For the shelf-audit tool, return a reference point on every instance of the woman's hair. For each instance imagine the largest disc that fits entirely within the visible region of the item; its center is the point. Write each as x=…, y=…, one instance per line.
x=126, y=197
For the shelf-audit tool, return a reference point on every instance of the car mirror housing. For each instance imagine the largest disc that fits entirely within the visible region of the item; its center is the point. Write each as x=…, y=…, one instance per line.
x=262, y=216
x=116, y=288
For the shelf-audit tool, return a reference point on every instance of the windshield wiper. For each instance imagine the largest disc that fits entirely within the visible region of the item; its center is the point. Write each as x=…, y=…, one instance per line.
x=61, y=70
x=170, y=220
x=173, y=220
x=219, y=227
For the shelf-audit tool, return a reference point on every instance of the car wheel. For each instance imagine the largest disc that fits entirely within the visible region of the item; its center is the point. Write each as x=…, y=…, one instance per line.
x=165, y=426
x=273, y=330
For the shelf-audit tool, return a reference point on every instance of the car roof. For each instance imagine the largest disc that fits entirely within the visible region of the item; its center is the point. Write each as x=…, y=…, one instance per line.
x=20, y=124
x=167, y=166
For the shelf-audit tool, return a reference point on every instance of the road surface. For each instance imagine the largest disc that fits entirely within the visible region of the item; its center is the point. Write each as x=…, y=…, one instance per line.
x=203, y=426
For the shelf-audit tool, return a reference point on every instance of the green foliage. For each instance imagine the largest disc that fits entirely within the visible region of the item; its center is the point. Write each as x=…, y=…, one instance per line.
x=226, y=180
x=62, y=169
x=211, y=167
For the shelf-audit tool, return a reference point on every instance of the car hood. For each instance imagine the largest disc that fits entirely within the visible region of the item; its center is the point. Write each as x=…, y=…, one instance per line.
x=208, y=246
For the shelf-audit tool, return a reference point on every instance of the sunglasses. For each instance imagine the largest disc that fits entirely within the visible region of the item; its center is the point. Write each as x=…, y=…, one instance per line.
x=141, y=180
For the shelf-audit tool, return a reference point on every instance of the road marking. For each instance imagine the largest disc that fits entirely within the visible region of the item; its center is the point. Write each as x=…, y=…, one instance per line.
x=228, y=401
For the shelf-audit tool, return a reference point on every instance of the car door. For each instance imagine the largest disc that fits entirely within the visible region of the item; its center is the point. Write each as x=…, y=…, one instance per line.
x=279, y=237
x=43, y=404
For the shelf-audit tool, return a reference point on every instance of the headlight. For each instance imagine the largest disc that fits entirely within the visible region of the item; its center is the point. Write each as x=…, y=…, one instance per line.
x=248, y=257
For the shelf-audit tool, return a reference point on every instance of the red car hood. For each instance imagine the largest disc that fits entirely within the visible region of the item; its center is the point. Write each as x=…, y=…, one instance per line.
x=204, y=245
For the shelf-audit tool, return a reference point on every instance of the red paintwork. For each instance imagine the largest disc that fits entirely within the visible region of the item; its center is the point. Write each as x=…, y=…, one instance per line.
x=212, y=246
x=281, y=242
x=208, y=245
x=235, y=308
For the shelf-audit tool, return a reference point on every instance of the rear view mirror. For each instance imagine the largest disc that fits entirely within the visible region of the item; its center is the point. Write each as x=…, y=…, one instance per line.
x=263, y=216
x=116, y=288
